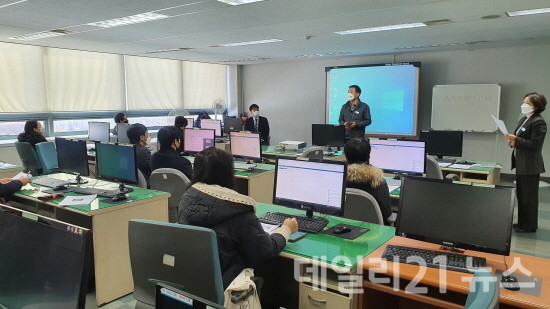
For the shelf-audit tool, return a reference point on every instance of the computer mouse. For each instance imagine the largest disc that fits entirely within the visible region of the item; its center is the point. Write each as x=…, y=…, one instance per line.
x=510, y=283
x=341, y=229
x=119, y=197
x=60, y=188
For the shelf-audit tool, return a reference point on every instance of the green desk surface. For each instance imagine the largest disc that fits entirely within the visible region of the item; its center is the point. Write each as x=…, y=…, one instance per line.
x=331, y=249
x=270, y=150
x=138, y=194
x=260, y=166
x=8, y=166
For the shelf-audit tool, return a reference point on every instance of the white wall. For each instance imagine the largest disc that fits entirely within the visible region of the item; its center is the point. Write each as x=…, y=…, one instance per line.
x=292, y=95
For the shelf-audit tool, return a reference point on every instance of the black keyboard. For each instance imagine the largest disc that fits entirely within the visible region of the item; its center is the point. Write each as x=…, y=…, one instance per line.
x=49, y=182
x=435, y=259
x=89, y=191
x=305, y=224
x=451, y=161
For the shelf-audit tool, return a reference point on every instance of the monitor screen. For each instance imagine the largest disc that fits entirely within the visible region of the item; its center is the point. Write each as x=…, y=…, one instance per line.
x=44, y=262
x=122, y=137
x=72, y=156
x=245, y=145
x=463, y=216
x=232, y=124
x=168, y=297
x=116, y=162
x=328, y=135
x=196, y=140
x=399, y=156
x=319, y=186
x=212, y=124
x=99, y=131
x=190, y=121
x=443, y=143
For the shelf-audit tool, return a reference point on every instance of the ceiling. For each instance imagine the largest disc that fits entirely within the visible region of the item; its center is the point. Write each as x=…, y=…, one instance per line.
x=194, y=29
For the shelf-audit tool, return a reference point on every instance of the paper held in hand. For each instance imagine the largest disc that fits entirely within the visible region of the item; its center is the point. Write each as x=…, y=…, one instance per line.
x=500, y=124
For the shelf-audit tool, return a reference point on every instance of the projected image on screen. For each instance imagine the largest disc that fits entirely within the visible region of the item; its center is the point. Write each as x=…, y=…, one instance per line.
x=390, y=91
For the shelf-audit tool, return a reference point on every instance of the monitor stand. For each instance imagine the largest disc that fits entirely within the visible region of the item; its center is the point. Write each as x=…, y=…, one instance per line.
x=78, y=180
x=123, y=189
x=452, y=249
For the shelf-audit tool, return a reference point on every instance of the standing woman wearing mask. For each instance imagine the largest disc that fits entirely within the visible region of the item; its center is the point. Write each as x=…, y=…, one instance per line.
x=527, y=160
x=33, y=133
x=257, y=123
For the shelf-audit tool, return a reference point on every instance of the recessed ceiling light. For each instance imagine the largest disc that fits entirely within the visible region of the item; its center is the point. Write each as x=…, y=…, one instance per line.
x=39, y=35
x=251, y=43
x=5, y=5
x=128, y=20
x=528, y=12
x=238, y=2
x=381, y=28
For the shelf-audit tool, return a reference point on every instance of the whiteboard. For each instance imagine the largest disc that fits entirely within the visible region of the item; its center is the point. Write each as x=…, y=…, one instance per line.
x=466, y=107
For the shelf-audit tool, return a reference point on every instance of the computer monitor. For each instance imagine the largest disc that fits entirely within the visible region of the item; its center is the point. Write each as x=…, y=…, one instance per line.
x=232, y=124
x=169, y=297
x=456, y=215
x=44, y=262
x=212, y=124
x=116, y=162
x=99, y=131
x=72, y=157
x=196, y=140
x=245, y=145
x=328, y=135
x=122, y=136
x=399, y=156
x=443, y=143
x=190, y=121
x=311, y=185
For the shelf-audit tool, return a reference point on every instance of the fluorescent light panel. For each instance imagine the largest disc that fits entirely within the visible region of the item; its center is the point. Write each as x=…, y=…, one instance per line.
x=238, y=2
x=528, y=12
x=128, y=20
x=381, y=28
x=37, y=35
x=251, y=43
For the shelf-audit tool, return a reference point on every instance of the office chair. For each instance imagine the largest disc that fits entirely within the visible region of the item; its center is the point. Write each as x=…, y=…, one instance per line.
x=29, y=158
x=362, y=206
x=142, y=182
x=184, y=256
x=433, y=170
x=484, y=291
x=313, y=153
x=174, y=182
x=47, y=155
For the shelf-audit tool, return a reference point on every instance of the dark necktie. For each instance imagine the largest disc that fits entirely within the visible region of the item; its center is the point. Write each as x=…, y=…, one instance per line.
x=256, y=124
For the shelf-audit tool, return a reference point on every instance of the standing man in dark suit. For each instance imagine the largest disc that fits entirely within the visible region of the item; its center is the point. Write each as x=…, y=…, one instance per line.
x=257, y=123
x=354, y=115
x=527, y=160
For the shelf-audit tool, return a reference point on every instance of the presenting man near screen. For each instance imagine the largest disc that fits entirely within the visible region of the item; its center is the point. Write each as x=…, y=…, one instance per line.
x=354, y=115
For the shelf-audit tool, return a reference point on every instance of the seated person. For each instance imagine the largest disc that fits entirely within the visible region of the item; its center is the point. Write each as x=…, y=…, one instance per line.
x=119, y=118
x=169, y=139
x=9, y=186
x=139, y=136
x=257, y=123
x=33, y=133
x=181, y=122
x=363, y=176
x=211, y=202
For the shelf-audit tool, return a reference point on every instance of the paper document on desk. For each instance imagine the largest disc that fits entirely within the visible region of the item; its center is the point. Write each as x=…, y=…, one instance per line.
x=269, y=228
x=487, y=165
x=391, y=188
x=500, y=124
x=78, y=200
x=461, y=166
x=443, y=164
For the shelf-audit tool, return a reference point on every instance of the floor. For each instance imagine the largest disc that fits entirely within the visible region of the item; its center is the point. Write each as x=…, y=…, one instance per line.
x=537, y=244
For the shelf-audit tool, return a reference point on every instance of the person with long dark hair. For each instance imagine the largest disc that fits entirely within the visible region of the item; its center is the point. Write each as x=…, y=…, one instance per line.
x=527, y=142
x=211, y=202
x=33, y=133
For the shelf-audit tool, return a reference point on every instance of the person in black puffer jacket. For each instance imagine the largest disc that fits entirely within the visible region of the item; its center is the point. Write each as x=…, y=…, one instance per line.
x=211, y=202
x=363, y=176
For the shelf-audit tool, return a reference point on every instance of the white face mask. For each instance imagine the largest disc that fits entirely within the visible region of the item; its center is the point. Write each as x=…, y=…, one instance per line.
x=256, y=113
x=526, y=109
x=350, y=96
